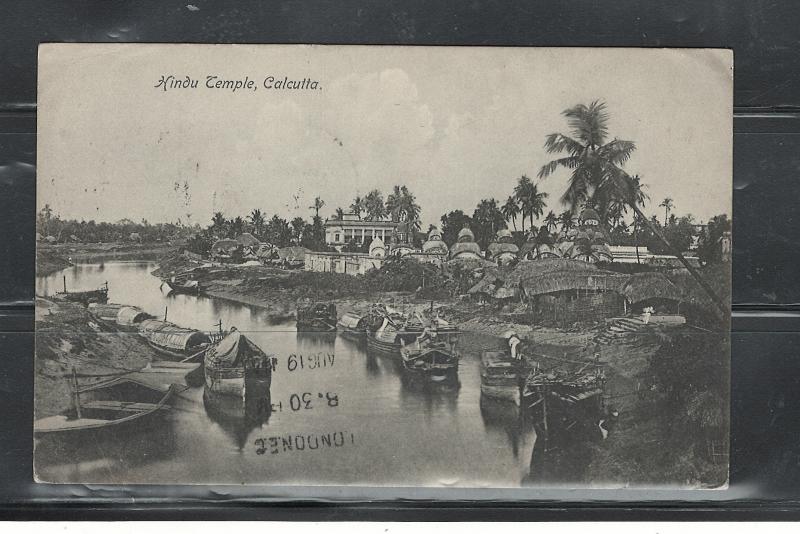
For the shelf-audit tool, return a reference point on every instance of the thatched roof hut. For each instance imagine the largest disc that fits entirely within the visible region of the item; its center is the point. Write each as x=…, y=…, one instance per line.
x=225, y=247
x=248, y=240
x=646, y=286
x=567, y=280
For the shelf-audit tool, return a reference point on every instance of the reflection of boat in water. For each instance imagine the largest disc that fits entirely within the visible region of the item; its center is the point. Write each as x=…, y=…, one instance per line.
x=238, y=416
x=500, y=377
x=433, y=355
x=316, y=340
x=175, y=342
x=353, y=326
x=187, y=286
x=117, y=405
x=316, y=316
x=236, y=365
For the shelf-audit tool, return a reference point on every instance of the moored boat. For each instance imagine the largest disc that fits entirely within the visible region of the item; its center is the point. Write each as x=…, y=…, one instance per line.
x=389, y=330
x=500, y=377
x=433, y=356
x=111, y=406
x=235, y=365
x=119, y=316
x=99, y=295
x=353, y=326
x=174, y=342
x=188, y=286
x=316, y=316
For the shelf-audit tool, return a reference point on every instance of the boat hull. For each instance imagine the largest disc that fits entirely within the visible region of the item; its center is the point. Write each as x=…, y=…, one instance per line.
x=235, y=382
x=502, y=393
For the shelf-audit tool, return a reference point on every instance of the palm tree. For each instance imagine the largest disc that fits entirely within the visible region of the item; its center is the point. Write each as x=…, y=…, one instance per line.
x=256, y=221
x=339, y=214
x=567, y=221
x=374, y=206
x=218, y=224
x=510, y=211
x=589, y=154
x=488, y=218
x=536, y=203
x=597, y=174
x=357, y=206
x=667, y=204
x=522, y=194
x=318, y=204
x=551, y=221
x=402, y=205
x=298, y=228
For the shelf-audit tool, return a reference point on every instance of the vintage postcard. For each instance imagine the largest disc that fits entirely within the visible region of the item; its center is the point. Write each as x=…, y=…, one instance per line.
x=386, y=266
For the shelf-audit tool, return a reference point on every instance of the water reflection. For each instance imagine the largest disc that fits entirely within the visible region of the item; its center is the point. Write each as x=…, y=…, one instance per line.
x=406, y=432
x=239, y=417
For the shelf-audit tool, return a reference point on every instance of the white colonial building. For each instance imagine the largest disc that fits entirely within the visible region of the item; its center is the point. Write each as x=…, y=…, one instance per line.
x=351, y=228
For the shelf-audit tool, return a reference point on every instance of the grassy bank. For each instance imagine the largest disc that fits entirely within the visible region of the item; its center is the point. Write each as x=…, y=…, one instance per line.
x=68, y=338
x=48, y=262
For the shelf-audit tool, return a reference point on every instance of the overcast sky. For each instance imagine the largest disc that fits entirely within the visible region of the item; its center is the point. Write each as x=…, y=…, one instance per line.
x=454, y=124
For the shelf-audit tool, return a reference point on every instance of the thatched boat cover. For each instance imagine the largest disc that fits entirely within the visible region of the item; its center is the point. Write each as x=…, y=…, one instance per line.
x=351, y=320
x=105, y=312
x=130, y=316
x=170, y=336
x=644, y=286
x=235, y=350
x=553, y=282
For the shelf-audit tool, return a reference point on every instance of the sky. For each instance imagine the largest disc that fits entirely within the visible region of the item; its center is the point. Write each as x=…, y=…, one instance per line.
x=454, y=124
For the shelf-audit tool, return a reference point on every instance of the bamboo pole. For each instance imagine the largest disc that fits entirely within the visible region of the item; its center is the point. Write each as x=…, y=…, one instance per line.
x=77, y=395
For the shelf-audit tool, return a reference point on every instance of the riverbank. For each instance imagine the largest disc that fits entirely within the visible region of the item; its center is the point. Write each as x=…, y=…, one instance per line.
x=53, y=258
x=67, y=338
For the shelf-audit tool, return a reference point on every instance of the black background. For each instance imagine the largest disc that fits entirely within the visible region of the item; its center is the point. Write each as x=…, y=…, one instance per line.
x=765, y=37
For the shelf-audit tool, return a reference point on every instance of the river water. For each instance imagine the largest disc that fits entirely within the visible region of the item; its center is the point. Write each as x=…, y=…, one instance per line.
x=341, y=416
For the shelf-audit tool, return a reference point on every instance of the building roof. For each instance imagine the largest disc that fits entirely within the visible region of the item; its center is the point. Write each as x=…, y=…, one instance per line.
x=568, y=280
x=248, y=240
x=467, y=247
x=292, y=253
x=644, y=286
x=225, y=246
x=379, y=224
x=466, y=234
x=588, y=214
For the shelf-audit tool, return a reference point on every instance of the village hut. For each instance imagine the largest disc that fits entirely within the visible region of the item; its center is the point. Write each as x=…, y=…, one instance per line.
x=292, y=257
x=135, y=237
x=248, y=240
x=465, y=246
x=377, y=249
x=574, y=295
x=225, y=249
x=652, y=289
x=50, y=239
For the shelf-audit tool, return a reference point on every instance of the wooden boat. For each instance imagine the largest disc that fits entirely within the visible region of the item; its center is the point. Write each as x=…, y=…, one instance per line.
x=353, y=326
x=316, y=316
x=119, y=316
x=84, y=297
x=190, y=287
x=114, y=405
x=500, y=378
x=235, y=365
x=433, y=355
x=175, y=342
x=388, y=330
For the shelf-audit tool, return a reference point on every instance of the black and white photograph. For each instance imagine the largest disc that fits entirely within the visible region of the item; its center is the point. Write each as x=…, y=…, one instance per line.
x=383, y=266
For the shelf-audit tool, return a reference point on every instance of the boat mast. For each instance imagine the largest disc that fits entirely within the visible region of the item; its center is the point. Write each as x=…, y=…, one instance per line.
x=77, y=395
